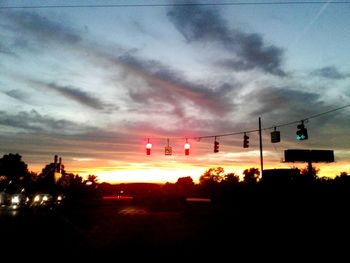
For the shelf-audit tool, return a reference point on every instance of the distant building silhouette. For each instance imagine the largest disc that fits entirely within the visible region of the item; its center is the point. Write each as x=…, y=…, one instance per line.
x=58, y=167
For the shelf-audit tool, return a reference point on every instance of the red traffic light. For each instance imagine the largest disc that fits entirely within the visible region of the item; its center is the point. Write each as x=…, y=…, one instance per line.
x=187, y=147
x=148, y=148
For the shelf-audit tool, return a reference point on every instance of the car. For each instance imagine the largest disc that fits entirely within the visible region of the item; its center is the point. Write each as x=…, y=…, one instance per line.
x=41, y=199
x=13, y=200
x=46, y=200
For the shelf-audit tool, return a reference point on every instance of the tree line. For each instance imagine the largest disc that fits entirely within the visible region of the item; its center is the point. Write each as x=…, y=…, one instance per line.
x=214, y=183
x=16, y=177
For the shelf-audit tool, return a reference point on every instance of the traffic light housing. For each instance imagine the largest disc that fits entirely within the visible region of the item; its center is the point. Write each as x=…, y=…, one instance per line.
x=302, y=132
x=245, y=141
x=187, y=148
x=216, y=146
x=148, y=148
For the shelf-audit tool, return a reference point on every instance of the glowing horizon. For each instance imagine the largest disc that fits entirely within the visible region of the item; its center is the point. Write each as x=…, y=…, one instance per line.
x=146, y=173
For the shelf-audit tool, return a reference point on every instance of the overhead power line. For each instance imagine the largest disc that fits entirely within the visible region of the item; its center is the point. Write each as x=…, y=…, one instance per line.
x=254, y=3
x=198, y=138
x=275, y=135
x=272, y=127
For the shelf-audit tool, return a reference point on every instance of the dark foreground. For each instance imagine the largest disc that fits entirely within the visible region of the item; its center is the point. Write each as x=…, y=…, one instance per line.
x=116, y=230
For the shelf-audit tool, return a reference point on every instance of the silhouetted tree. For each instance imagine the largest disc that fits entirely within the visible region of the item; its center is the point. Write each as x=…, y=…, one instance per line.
x=343, y=178
x=314, y=173
x=209, y=182
x=251, y=175
x=73, y=185
x=30, y=181
x=92, y=178
x=215, y=175
x=185, y=184
x=231, y=178
x=13, y=168
x=343, y=174
x=229, y=188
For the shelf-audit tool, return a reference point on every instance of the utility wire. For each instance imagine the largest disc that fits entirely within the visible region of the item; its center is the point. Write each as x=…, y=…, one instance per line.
x=198, y=138
x=310, y=117
x=268, y=128
x=178, y=4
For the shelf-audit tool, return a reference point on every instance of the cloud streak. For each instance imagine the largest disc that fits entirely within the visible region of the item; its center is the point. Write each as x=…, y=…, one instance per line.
x=5, y=50
x=17, y=94
x=166, y=87
x=84, y=98
x=44, y=29
x=169, y=86
x=33, y=121
x=77, y=95
x=330, y=72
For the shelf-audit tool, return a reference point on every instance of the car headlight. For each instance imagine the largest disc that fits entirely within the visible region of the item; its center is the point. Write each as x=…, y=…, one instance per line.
x=15, y=200
x=37, y=198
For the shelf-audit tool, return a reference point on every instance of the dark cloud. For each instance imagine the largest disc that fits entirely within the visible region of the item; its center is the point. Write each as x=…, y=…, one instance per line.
x=279, y=100
x=16, y=94
x=238, y=65
x=35, y=122
x=330, y=73
x=170, y=87
x=249, y=51
x=5, y=50
x=166, y=86
x=41, y=27
x=77, y=95
x=73, y=93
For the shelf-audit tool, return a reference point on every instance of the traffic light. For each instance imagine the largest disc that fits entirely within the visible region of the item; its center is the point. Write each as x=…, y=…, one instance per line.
x=245, y=141
x=187, y=148
x=216, y=146
x=302, y=132
x=148, y=148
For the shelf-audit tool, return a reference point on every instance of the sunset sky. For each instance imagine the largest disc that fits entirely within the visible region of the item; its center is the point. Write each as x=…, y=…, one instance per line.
x=93, y=84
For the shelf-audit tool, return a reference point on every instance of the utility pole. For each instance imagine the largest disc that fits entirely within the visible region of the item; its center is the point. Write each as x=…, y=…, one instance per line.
x=261, y=150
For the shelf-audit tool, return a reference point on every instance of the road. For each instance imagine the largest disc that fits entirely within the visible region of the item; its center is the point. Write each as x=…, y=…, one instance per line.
x=195, y=231
x=33, y=234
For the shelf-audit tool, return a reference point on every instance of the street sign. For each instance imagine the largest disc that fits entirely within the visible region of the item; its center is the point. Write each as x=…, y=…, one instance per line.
x=168, y=150
x=275, y=136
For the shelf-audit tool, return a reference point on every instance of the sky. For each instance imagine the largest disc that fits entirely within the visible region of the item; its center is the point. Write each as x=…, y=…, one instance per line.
x=94, y=81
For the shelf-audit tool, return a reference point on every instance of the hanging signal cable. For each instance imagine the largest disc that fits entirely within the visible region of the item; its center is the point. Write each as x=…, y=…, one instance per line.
x=281, y=125
x=198, y=138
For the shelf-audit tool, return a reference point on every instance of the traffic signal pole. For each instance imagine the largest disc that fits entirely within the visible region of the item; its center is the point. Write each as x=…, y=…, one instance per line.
x=261, y=149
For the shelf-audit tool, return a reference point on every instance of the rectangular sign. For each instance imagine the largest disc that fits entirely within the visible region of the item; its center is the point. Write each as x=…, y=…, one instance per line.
x=275, y=136
x=168, y=150
x=296, y=155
